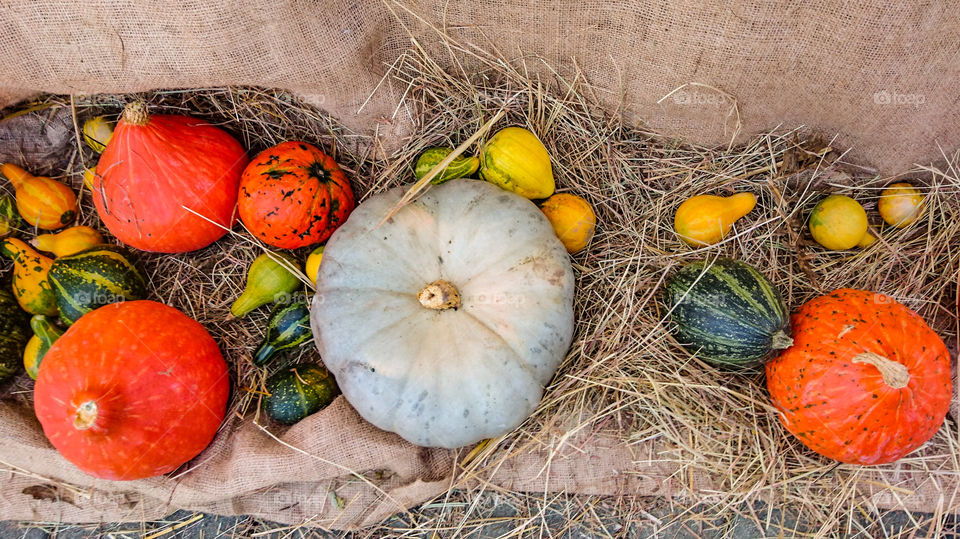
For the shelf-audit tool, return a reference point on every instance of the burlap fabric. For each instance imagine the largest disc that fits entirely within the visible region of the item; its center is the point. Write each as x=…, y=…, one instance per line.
x=881, y=77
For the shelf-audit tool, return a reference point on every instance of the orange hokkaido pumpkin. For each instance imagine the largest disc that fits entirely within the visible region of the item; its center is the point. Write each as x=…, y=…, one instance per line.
x=293, y=195
x=158, y=172
x=132, y=390
x=866, y=380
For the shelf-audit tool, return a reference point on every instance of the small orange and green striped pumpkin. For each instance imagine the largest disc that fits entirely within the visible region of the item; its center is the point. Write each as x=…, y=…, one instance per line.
x=43, y=202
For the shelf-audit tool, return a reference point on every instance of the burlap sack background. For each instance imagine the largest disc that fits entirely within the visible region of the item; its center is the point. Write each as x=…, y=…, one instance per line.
x=881, y=77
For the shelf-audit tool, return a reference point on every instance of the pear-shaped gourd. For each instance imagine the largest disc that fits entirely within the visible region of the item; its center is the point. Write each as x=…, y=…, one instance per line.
x=43, y=202
x=69, y=241
x=45, y=333
x=30, y=285
x=705, y=219
x=288, y=326
x=437, y=325
x=269, y=279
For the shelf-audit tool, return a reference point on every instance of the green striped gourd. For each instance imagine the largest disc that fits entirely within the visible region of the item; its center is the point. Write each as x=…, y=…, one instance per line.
x=297, y=392
x=14, y=332
x=727, y=313
x=461, y=166
x=93, y=278
x=9, y=218
x=288, y=326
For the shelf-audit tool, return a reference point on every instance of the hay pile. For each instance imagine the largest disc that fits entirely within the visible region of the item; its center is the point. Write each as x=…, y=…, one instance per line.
x=624, y=372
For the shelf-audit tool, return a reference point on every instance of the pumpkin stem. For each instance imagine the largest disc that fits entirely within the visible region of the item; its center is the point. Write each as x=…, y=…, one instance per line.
x=135, y=113
x=86, y=415
x=781, y=341
x=439, y=295
x=894, y=374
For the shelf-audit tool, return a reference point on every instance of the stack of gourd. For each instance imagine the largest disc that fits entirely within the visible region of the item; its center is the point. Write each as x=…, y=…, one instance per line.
x=855, y=375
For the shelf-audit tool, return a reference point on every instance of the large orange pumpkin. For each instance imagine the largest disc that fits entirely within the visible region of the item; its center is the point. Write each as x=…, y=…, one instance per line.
x=132, y=390
x=158, y=172
x=293, y=195
x=866, y=380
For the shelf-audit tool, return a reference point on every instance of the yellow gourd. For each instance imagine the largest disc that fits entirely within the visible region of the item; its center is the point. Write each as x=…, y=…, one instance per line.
x=30, y=285
x=88, y=175
x=43, y=202
x=572, y=219
x=867, y=240
x=313, y=264
x=706, y=219
x=44, y=335
x=517, y=161
x=900, y=204
x=97, y=132
x=69, y=241
x=838, y=222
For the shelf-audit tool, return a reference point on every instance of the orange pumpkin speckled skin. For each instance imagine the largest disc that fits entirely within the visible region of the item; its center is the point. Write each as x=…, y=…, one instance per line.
x=841, y=406
x=293, y=195
x=157, y=383
x=156, y=169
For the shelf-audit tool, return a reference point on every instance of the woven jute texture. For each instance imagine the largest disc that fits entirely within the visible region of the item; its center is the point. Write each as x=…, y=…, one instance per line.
x=881, y=77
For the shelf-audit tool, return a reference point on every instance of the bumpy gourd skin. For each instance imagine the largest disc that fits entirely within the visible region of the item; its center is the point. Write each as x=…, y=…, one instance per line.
x=843, y=408
x=445, y=377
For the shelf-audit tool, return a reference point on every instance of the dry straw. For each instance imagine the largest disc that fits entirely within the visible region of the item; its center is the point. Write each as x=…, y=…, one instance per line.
x=624, y=374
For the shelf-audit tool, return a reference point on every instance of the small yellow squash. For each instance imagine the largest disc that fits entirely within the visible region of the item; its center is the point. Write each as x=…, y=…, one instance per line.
x=88, y=175
x=44, y=335
x=69, y=241
x=706, y=219
x=43, y=202
x=900, y=204
x=517, y=161
x=30, y=285
x=313, y=264
x=572, y=219
x=97, y=132
x=838, y=222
